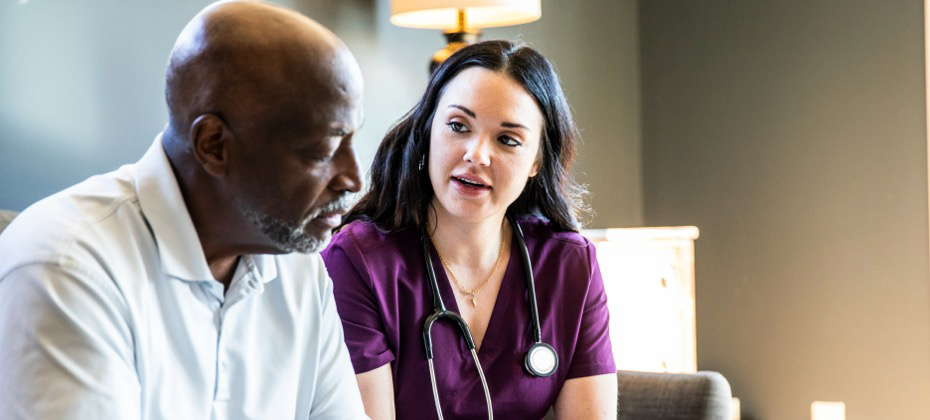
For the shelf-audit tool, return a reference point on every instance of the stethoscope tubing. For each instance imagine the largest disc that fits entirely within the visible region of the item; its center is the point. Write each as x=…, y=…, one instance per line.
x=530, y=282
x=441, y=312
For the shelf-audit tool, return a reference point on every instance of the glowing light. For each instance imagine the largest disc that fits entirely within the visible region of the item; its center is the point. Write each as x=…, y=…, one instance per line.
x=828, y=410
x=649, y=281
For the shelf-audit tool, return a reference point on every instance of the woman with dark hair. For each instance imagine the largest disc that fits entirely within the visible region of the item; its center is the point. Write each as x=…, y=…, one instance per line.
x=462, y=269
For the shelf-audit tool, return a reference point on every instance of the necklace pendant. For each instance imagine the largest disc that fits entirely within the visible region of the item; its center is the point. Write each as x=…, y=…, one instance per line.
x=474, y=301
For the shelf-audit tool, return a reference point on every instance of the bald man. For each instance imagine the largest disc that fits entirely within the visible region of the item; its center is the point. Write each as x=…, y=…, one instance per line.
x=188, y=285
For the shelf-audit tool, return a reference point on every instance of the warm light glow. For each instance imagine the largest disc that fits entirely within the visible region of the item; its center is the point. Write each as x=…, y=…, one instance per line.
x=649, y=281
x=735, y=410
x=443, y=14
x=828, y=410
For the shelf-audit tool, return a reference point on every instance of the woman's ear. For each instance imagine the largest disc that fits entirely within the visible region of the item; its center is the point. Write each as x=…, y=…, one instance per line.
x=210, y=140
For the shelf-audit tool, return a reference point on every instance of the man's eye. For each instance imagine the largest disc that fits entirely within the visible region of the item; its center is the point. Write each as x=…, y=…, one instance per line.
x=457, y=127
x=317, y=157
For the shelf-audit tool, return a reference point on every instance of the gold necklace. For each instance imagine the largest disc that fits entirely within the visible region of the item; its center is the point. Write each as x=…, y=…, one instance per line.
x=472, y=292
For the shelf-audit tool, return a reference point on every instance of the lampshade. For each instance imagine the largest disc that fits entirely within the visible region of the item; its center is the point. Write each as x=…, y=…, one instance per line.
x=443, y=14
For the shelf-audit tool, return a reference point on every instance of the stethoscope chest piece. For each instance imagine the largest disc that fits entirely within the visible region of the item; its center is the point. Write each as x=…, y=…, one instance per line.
x=541, y=360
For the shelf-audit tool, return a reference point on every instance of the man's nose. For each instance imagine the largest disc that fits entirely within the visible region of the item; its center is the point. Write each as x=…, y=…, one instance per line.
x=347, y=176
x=478, y=151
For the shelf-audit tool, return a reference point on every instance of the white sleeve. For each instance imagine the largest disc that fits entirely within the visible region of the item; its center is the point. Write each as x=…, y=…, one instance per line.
x=337, y=395
x=67, y=350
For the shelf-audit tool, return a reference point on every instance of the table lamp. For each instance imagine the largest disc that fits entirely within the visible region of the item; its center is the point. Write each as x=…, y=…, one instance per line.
x=462, y=20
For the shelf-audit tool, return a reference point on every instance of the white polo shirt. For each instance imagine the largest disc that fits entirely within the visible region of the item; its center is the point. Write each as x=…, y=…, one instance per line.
x=108, y=310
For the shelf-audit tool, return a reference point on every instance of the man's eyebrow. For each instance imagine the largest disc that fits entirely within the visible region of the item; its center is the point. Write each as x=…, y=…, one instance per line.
x=465, y=110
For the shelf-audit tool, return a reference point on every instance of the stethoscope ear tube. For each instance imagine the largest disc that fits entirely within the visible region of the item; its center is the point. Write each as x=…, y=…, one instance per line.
x=459, y=321
x=530, y=281
x=541, y=359
x=439, y=310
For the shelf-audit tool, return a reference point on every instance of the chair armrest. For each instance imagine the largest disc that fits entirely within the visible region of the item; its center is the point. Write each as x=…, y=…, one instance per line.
x=648, y=395
x=671, y=396
x=6, y=216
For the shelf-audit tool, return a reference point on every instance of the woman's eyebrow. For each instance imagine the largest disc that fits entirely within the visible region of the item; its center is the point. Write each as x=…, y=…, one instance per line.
x=472, y=114
x=465, y=110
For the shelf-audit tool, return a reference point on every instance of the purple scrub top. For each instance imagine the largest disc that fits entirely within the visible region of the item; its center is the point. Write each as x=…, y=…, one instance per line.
x=383, y=296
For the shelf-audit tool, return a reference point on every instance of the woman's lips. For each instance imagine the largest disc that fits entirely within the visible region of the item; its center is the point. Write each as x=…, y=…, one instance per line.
x=469, y=187
x=466, y=178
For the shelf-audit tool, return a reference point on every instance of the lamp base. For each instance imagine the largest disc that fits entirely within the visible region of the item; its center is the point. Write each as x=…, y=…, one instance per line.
x=455, y=41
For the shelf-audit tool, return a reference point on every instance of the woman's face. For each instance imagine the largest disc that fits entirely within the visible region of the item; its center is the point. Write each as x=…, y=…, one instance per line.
x=484, y=144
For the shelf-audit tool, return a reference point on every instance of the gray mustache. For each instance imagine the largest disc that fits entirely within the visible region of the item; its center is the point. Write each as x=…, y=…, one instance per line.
x=339, y=205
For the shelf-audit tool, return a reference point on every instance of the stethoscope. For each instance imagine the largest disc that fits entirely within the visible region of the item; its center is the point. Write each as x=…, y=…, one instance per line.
x=541, y=359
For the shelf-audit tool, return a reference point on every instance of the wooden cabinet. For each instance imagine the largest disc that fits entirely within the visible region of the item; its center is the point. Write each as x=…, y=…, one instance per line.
x=649, y=279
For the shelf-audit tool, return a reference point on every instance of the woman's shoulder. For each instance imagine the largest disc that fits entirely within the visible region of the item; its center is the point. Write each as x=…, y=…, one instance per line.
x=367, y=237
x=536, y=228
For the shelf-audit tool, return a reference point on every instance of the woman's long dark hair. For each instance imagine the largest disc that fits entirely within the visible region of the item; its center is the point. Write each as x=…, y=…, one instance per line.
x=400, y=192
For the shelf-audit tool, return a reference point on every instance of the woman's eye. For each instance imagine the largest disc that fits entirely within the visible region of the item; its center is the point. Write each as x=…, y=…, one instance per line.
x=509, y=141
x=457, y=127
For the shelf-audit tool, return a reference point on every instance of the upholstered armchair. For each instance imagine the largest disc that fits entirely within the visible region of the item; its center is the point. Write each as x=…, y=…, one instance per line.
x=671, y=396
x=6, y=216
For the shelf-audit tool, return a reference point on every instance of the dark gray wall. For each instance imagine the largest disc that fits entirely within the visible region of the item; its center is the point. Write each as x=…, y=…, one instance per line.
x=793, y=134
x=81, y=85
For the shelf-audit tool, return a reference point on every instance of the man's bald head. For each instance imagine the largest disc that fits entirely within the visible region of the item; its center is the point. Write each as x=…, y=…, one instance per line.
x=255, y=65
x=263, y=105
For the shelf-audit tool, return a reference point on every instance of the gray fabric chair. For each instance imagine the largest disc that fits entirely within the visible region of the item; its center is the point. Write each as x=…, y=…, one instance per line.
x=6, y=216
x=671, y=396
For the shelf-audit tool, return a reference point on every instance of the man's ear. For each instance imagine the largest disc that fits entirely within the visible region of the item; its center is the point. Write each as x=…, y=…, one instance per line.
x=210, y=140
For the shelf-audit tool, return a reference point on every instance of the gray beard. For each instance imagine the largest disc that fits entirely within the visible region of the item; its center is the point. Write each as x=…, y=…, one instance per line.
x=292, y=237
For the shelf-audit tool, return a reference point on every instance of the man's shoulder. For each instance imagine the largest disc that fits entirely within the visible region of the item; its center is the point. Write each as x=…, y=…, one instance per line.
x=99, y=212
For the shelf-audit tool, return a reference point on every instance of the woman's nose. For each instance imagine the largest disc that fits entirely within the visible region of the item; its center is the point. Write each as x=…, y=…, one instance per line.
x=478, y=151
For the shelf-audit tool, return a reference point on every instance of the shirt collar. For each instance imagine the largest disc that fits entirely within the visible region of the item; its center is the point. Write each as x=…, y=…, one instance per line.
x=265, y=267
x=164, y=209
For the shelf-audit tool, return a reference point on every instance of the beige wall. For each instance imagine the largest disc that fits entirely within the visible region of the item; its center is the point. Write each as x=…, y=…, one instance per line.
x=595, y=47
x=82, y=85
x=792, y=133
